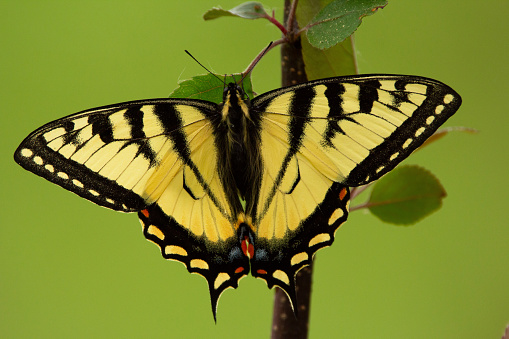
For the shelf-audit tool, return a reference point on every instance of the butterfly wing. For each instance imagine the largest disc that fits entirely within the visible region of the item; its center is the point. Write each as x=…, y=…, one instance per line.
x=155, y=157
x=320, y=137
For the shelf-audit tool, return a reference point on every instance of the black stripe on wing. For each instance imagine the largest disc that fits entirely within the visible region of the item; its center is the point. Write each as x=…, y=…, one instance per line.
x=101, y=154
x=440, y=103
x=369, y=123
x=34, y=156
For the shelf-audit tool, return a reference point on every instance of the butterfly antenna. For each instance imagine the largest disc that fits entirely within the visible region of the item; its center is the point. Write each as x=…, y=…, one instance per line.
x=205, y=68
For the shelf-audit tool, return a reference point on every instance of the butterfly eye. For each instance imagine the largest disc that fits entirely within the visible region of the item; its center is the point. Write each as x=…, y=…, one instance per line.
x=241, y=92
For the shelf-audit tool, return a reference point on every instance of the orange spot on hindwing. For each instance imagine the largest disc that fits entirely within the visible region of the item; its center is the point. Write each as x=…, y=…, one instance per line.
x=342, y=194
x=145, y=213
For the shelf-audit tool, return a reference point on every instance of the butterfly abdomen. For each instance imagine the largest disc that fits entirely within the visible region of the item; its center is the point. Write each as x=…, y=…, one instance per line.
x=238, y=142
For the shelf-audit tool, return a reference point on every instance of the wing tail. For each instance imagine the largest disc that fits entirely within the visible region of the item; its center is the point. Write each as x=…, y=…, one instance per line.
x=277, y=262
x=222, y=264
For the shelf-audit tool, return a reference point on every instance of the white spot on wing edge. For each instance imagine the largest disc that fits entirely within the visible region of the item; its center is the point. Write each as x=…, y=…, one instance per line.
x=199, y=263
x=177, y=250
x=63, y=175
x=49, y=168
x=448, y=98
x=77, y=183
x=430, y=119
x=439, y=109
x=338, y=213
x=419, y=131
x=407, y=143
x=153, y=230
x=94, y=193
x=27, y=153
x=220, y=279
x=281, y=275
x=322, y=237
x=38, y=160
x=298, y=258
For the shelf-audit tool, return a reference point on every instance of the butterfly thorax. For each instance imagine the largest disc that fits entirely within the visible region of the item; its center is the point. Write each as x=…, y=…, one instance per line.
x=239, y=146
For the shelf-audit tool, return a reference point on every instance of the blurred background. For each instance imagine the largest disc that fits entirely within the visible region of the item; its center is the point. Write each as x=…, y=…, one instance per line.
x=72, y=269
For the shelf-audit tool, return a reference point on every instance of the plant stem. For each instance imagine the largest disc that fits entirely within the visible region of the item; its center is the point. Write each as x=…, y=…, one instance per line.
x=284, y=323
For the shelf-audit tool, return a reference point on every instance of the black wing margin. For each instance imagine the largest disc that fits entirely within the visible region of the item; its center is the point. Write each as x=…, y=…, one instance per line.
x=105, y=154
x=320, y=137
x=156, y=157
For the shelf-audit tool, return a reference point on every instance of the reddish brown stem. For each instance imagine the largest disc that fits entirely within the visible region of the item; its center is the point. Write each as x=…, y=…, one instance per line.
x=273, y=20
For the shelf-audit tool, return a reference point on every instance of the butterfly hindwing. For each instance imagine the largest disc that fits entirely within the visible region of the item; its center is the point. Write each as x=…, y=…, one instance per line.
x=221, y=263
x=277, y=260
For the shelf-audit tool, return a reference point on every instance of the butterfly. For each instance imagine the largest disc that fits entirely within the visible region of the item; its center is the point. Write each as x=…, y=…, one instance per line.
x=249, y=185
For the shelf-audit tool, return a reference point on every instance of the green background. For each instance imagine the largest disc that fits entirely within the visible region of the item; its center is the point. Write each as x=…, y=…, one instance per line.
x=71, y=269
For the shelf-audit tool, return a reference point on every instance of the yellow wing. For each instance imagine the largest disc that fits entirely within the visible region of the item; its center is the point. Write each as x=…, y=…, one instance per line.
x=349, y=130
x=320, y=137
x=156, y=157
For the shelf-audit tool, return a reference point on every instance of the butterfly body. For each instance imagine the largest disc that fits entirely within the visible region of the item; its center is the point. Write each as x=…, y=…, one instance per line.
x=238, y=143
x=250, y=185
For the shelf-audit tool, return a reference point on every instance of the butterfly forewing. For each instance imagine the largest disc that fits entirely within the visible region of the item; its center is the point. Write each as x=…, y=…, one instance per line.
x=81, y=153
x=358, y=128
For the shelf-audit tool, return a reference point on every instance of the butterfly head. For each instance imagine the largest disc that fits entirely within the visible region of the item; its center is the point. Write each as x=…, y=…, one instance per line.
x=234, y=89
x=235, y=101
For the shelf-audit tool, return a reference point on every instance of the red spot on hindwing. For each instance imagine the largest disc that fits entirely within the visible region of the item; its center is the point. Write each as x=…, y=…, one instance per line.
x=247, y=248
x=239, y=269
x=145, y=213
x=260, y=271
x=342, y=194
x=244, y=244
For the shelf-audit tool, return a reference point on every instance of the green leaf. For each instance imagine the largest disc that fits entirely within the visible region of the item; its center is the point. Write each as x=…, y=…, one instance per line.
x=335, y=61
x=247, y=10
x=209, y=87
x=338, y=20
x=308, y=9
x=406, y=195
